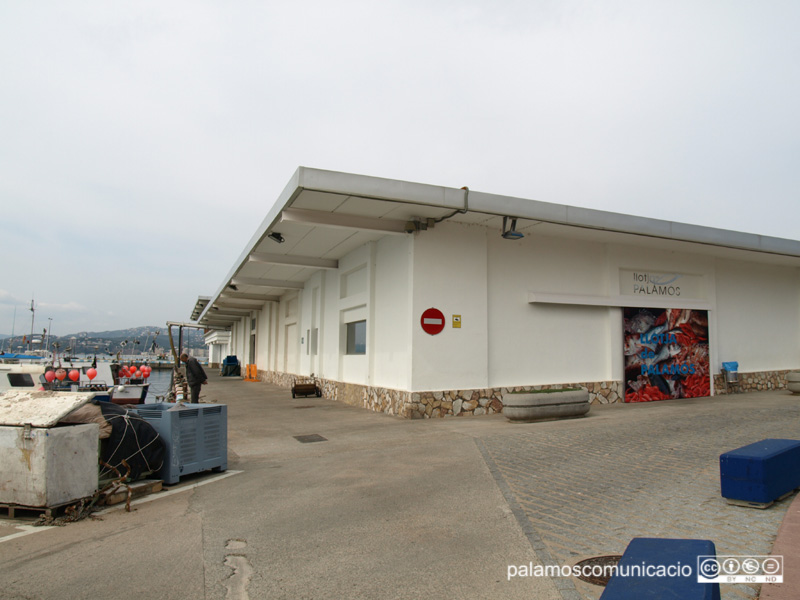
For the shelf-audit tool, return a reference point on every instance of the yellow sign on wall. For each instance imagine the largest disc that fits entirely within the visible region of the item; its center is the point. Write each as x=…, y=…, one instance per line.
x=456, y=321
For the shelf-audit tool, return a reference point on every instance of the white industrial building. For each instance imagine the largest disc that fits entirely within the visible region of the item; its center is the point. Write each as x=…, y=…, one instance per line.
x=336, y=279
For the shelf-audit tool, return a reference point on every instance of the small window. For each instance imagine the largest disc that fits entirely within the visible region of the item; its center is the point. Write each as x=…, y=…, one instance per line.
x=357, y=337
x=20, y=380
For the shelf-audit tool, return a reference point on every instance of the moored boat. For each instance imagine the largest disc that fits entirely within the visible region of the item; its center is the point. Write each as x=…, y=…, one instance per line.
x=109, y=381
x=114, y=379
x=16, y=375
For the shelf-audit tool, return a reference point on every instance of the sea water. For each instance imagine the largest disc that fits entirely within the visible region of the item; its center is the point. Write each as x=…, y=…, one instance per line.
x=160, y=382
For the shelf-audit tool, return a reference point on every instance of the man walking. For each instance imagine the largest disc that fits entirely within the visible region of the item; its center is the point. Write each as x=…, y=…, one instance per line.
x=195, y=376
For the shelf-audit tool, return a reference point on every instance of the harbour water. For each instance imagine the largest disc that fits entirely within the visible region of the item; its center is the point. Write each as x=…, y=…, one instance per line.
x=159, y=385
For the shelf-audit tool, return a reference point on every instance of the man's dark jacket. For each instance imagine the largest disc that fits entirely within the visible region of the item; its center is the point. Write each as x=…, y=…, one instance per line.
x=195, y=375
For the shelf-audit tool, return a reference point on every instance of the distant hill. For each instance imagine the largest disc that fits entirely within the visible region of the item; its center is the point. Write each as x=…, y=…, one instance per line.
x=133, y=341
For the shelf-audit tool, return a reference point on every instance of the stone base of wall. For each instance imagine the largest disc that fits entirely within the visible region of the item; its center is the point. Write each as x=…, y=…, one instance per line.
x=449, y=403
x=754, y=382
x=278, y=378
x=465, y=403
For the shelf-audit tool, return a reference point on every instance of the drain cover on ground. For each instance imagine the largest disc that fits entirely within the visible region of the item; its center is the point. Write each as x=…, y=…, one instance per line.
x=597, y=570
x=307, y=406
x=308, y=439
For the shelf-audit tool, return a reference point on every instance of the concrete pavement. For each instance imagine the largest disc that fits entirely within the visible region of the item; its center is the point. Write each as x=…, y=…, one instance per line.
x=390, y=508
x=385, y=508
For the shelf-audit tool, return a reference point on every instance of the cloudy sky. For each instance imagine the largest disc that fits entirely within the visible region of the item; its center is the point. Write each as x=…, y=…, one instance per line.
x=142, y=142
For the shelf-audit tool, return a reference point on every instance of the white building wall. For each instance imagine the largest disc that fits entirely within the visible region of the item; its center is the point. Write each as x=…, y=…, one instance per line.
x=355, y=282
x=504, y=339
x=263, y=338
x=540, y=343
x=392, y=315
x=288, y=350
x=218, y=344
x=239, y=339
x=231, y=347
x=329, y=325
x=311, y=324
x=243, y=341
x=450, y=273
x=274, y=336
x=309, y=329
x=758, y=320
x=535, y=344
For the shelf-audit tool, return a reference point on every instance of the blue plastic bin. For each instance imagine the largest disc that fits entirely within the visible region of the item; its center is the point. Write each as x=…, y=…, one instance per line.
x=230, y=367
x=762, y=472
x=731, y=371
x=642, y=553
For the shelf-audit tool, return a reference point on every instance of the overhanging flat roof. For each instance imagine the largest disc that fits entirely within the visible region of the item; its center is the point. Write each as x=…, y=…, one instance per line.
x=202, y=302
x=323, y=215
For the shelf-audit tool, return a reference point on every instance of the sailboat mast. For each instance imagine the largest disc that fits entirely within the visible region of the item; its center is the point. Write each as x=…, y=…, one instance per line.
x=33, y=315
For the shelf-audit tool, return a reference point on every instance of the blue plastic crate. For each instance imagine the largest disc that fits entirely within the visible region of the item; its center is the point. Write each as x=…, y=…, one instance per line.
x=644, y=553
x=761, y=472
x=196, y=437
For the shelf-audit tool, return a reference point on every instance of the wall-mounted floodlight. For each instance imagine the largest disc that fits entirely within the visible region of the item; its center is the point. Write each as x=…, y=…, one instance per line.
x=418, y=224
x=511, y=233
x=276, y=237
x=233, y=287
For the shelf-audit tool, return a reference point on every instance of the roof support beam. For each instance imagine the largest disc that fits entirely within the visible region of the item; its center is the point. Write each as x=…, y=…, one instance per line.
x=293, y=261
x=236, y=297
x=229, y=312
x=216, y=322
x=270, y=283
x=233, y=309
x=341, y=221
x=230, y=320
x=238, y=306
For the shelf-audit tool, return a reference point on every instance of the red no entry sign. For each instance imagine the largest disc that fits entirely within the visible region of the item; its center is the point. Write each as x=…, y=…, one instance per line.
x=432, y=321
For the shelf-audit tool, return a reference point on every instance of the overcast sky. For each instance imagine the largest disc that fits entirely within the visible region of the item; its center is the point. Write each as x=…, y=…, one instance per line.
x=141, y=143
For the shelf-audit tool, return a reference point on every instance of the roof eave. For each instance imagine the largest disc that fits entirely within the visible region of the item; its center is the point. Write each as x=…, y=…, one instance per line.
x=378, y=188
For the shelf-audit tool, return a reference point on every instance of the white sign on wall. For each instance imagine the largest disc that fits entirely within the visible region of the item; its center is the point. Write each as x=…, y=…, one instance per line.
x=656, y=284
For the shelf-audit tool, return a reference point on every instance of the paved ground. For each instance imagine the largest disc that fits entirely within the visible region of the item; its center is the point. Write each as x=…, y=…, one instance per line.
x=388, y=508
x=588, y=487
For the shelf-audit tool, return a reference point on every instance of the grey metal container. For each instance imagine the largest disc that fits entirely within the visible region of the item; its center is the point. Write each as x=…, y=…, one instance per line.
x=196, y=436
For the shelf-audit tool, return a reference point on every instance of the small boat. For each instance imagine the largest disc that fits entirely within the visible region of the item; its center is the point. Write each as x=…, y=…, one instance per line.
x=19, y=375
x=111, y=378
x=109, y=381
